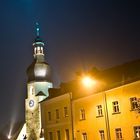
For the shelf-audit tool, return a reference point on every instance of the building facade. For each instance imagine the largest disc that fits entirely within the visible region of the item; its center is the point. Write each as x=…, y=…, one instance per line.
x=57, y=118
x=108, y=115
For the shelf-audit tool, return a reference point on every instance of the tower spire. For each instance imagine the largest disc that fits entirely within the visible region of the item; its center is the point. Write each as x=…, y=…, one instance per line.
x=37, y=29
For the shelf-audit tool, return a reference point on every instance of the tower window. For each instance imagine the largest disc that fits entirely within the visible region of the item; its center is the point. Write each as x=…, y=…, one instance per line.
x=38, y=49
x=137, y=132
x=115, y=107
x=31, y=90
x=82, y=114
x=57, y=114
x=99, y=110
x=118, y=132
x=66, y=112
x=41, y=51
x=49, y=116
x=102, y=135
x=134, y=103
x=84, y=136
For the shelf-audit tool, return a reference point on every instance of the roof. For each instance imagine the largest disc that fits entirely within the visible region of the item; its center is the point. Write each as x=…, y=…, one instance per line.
x=107, y=79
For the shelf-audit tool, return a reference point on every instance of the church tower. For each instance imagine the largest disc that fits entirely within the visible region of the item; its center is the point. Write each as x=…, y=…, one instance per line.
x=39, y=81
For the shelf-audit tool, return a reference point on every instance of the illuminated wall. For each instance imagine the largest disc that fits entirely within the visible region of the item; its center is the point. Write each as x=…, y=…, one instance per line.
x=117, y=118
x=56, y=113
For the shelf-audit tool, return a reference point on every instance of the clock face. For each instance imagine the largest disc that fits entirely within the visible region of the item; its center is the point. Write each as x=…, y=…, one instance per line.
x=31, y=103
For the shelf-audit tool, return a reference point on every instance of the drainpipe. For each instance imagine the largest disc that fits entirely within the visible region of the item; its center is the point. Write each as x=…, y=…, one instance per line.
x=106, y=117
x=71, y=116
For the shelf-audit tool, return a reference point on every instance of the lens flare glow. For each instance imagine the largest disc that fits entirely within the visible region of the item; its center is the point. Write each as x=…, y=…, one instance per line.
x=88, y=81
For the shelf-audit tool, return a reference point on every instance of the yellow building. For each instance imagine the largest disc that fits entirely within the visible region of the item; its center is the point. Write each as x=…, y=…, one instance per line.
x=110, y=115
x=109, y=111
x=57, y=119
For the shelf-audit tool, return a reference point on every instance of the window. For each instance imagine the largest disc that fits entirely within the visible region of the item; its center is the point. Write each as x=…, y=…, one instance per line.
x=58, y=135
x=134, y=103
x=84, y=136
x=118, y=132
x=49, y=116
x=137, y=132
x=67, y=134
x=41, y=51
x=102, y=135
x=31, y=90
x=50, y=136
x=57, y=114
x=115, y=107
x=82, y=114
x=66, y=112
x=99, y=110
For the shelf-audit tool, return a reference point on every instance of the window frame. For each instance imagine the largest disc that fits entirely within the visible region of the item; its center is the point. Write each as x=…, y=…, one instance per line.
x=84, y=136
x=49, y=116
x=57, y=114
x=82, y=114
x=102, y=134
x=134, y=103
x=118, y=132
x=99, y=111
x=58, y=135
x=137, y=128
x=116, y=107
x=50, y=135
x=66, y=114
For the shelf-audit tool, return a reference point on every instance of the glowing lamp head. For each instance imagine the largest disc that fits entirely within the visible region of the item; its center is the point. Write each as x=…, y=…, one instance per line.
x=88, y=81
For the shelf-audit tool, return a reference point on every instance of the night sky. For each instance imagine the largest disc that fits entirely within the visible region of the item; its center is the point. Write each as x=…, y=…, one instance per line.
x=79, y=35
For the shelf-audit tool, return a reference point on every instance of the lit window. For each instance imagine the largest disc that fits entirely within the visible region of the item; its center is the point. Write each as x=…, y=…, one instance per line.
x=66, y=112
x=38, y=49
x=57, y=114
x=50, y=136
x=41, y=50
x=49, y=116
x=58, y=135
x=134, y=103
x=31, y=90
x=82, y=114
x=118, y=132
x=99, y=110
x=102, y=135
x=84, y=136
x=115, y=107
x=67, y=134
x=137, y=132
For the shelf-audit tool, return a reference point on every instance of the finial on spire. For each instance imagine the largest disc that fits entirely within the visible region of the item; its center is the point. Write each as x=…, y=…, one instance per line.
x=37, y=29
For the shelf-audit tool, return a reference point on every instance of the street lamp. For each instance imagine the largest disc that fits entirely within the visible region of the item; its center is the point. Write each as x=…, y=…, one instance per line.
x=88, y=81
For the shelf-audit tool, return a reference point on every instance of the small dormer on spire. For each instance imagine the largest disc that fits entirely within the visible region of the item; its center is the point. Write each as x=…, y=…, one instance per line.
x=38, y=45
